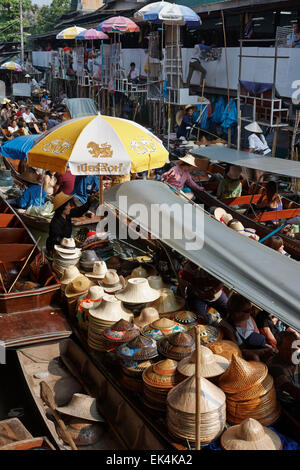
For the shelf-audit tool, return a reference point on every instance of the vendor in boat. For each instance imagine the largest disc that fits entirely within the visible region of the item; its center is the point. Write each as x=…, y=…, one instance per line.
x=270, y=199
x=179, y=175
x=84, y=187
x=186, y=124
x=33, y=196
x=61, y=223
x=257, y=144
x=230, y=186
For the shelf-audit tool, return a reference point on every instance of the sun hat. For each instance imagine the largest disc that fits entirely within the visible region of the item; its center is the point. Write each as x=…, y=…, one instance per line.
x=160, y=328
x=67, y=245
x=60, y=199
x=78, y=286
x=140, y=271
x=185, y=317
x=93, y=298
x=242, y=375
x=161, y=374
x=176, y=346
x=189, y=159
x=254, y=127
x=156, y=282
x=70, y=273
x=167, y=302
x=225, y=348
x=139, y=348
x=5, y=101
x=208, y=333
x=99, y=270
x=250, y=435
x=82, y=406
x=181, y=113
x=110, y=310
x=221, y=215
x=212, y=365
x=87, y=260
x=147, y=315
x=236, y=225
x=137, y=291
x=111, y=282
x=121, y=332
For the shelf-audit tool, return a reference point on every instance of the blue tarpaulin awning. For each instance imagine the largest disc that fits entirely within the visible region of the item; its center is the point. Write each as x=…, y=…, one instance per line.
x=18, y=148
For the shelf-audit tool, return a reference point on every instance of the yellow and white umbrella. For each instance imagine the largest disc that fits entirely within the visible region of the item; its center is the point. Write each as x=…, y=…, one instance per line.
x=98, y=145
x=12, y=66
x=70, y=33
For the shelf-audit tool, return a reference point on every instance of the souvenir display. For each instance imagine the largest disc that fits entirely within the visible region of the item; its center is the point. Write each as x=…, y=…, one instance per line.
x=137, y=291
x=120, y=332
x=111, y=282
x=167, y=302
x=212, y=365
x=137, y=350
x=147, y=316
x=181, y=410
x=161, y=328
x=158, y=379
x=250, y=435
x=208, y=334
x=132, y=376
x=176, y=346
x=99, y=270
x=69, y=274
x=80, y=285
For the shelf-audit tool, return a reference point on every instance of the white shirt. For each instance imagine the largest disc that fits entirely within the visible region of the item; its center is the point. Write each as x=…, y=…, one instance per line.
x=12, y=129
x=28, y=117
x=134, y=74
x=258, y=144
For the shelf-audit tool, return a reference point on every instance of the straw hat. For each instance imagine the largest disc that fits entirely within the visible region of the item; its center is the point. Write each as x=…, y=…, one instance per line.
x=160, y=328
x=78, y=286
x=94, y=297
x=250, y=435
x=139, y=272
x=168, y=302
x=242, y=375
x=208, y=333
x=83, y=433
x=99, y=270
x=82, y=406
x=225, y=348
x=161, y=374
x=121, y=332
x=212, y=365
x=237, y=226
x=156, y=282
x=110, y=310
x=138, y=349
x=87, y=260
x=111, y=282
x=221, y=215
x=176, y=346
x=254, y=127
x=181, y=112
x=67, y=247
x=147, y=315
x=138, y=291
x=189, y=159
x=70, y=273
x=185, y=317
x=5, y=101
x=60, y=199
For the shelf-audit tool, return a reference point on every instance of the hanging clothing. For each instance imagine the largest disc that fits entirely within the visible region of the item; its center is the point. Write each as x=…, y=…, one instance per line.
x=229, y=118
x=219, y=111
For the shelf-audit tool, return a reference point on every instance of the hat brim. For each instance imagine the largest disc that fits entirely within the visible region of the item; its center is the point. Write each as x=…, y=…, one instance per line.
x=57, y=206
x=179, y=117
x=232, y=436
x=67, y=251
x=95, y=276
x=187, y=162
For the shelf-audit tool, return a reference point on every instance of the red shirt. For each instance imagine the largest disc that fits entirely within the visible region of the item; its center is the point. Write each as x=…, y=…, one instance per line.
x=66, y=182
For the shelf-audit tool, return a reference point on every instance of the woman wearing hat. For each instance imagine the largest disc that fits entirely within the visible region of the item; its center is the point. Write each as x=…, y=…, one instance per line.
x=258, y=145
x=186, y=124
x=61, y=223
x=179, y=176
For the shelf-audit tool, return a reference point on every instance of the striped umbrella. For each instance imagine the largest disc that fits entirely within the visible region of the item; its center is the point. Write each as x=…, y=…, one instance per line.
x=118, y=24
x=70, y=33
x=171, y=14
x=91, y=34
x=152, y=10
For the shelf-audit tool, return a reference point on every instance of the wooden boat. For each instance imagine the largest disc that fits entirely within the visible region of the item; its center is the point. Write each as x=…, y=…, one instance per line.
x=71, y=371
x=30, y=312
x=14, y=436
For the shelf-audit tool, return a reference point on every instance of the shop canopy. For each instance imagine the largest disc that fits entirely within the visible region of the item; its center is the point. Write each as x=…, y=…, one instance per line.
x=267, y=278
x=249, y=160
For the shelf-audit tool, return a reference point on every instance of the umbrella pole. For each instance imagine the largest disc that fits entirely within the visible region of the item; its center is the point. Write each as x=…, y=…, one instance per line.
x=101, y=190
x=198, y=389
x=42, y=183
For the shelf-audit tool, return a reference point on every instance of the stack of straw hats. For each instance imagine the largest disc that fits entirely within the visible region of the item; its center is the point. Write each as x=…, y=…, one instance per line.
x=132, y=376
x=181, y=410
x=137, y=294
x=87, y=260
x=158, y=379
x=105, y=315
x=250, y=392
x=167, y=302
x=98, y=272
x=250, y=435
x=176, y=346
x=66, y=254
x=147, y=316
x=137, y=350
x=212, y=365
x=225, y=348
x=208, y=333
x=76, y=288
x=91, y=300
x=121, y=332
x=69, y=274
x=158, y=329
x=111, y=282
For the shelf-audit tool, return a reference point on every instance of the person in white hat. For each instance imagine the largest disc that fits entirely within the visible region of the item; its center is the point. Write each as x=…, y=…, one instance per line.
x=179, y=176
x=257, y=141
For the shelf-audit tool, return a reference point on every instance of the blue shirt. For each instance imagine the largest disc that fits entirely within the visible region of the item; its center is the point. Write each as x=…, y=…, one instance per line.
x=51, y=123
x=84, y=187
x=185, y=127
x=32, y=197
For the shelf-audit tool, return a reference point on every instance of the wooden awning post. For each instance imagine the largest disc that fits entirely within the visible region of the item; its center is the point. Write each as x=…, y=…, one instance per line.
x=101, y=190
x=198, y=388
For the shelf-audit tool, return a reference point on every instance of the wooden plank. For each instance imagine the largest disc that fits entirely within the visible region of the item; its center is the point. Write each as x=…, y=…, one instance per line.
x=273, y=215
x=6, y=219
x=10, y=253
x=242, y=200
x=13, y=235
x=12, y=430
x=36, y=442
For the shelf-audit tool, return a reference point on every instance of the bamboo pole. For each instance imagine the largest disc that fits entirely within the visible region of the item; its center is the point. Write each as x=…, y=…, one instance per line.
x=24, y=265
x=101, y=190
x=274, y=146
x=202, y=97
x=198, y=389
x=2, y=282
x=227, y=75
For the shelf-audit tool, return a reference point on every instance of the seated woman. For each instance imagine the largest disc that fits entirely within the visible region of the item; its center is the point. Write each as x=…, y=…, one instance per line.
x=22, y=129
x=230, y=185
x=240, y=327
x=12, y=127
x=50, y=182
x=179, y=175
x=276, y=243
x=270, y=199
x=268, y=326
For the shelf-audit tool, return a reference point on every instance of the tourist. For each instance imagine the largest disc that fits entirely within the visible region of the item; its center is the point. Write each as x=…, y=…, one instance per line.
x=133, y=75
x=61, y=223
x=22, y=129
x=30, y=119
x=276, y=243
x=5, y=110
x=230, y=186
x=186, y=125
x=12, y=127
x=270, y=199
x=179, y=176
x=49, y=182
x=65, y=182
x=50, y=122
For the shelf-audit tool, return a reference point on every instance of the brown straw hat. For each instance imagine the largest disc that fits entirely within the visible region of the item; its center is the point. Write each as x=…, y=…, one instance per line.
x=176, y=346
x=242, y=375
x=79, y=285
x=147, y=315
x=168, y=302
x=212, y=365
x=60, y=199
x=82, y=406
x=250, y=435
x=225, y=348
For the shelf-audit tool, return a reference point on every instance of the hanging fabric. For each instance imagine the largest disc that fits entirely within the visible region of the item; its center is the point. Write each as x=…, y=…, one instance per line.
x=219, y=111
x=229, y=118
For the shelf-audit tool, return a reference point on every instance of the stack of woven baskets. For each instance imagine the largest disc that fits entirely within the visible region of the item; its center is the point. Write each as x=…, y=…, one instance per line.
x=250, y=392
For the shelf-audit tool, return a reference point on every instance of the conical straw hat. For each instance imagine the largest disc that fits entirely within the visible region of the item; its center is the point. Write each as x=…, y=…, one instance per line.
x=147, y=315
x=111, y=310
x=82, y=406
x=185, y=317
x=225, y=348
x=137, y=291
x=176, y=346
x=161, y=374
x=182, y=397
x=189, y=159
x=212, y=365
x=167, y=302
x=242, y=375
x=250, y=435
x=162, y=327
x=254, y=127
